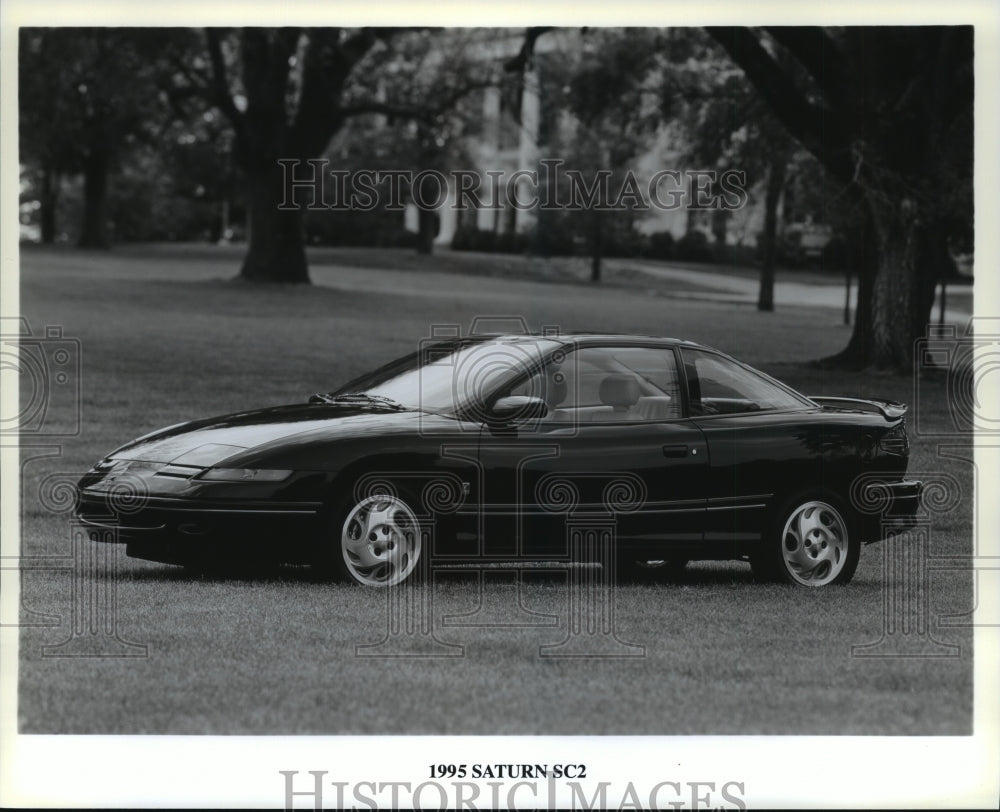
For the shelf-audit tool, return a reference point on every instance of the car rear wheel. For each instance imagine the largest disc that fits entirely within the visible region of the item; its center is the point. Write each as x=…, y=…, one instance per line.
x=812, y=542
x=379, y=541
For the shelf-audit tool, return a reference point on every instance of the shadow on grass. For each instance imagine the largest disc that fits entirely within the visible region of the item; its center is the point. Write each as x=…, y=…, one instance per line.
x=262, y=573
x=533, y=573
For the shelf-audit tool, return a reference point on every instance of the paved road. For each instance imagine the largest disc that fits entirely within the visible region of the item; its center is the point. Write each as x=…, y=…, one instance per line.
x=814, y=293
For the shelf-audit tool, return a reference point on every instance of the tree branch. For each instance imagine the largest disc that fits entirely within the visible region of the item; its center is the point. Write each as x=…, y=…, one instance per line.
x=955, y=95
x=820, y=56
x=518, y=63
x=817, y=128
x=360, y=43
x=422, y=112
x=221, y=95
x=446, y=103
x=266, y=68
x=385, y=108
x=328, y=64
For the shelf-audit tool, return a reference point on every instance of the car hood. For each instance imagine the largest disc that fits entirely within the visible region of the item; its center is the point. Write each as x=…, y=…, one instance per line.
x=213, y=440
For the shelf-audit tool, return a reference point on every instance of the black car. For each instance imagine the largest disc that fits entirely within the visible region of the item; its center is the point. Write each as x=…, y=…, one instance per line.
x=495, y=448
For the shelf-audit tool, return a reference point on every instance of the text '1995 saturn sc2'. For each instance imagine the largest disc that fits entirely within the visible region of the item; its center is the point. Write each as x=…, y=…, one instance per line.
x=493, y=448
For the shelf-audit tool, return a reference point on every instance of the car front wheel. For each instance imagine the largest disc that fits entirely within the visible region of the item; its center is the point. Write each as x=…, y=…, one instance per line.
x=812, y=543
x=379, y=541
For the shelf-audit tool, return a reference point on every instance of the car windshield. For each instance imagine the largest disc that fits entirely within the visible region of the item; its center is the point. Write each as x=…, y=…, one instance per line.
x=446, y=377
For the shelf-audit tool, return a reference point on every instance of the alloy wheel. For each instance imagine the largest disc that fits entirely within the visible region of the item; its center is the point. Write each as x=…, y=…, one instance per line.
x=380, y=541
x=814, y=544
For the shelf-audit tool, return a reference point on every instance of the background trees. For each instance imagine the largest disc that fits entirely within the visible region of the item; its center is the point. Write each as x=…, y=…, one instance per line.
x=177, y=133
x=422, y=98
x=611, y=88
x=284, y=100
x=888, y=112
x=88, y=98
x=727, y=125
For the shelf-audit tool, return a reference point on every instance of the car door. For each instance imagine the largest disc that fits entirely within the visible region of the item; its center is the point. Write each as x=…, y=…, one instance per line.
x=758, y=443
x=615, y=447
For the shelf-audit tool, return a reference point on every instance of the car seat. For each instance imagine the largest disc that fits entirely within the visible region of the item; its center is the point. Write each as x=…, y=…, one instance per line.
x=620, y=393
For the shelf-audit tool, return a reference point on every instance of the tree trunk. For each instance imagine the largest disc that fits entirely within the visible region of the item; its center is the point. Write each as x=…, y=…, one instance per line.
x=934, y=266
x=862, y=255
x=510, y=220
x=913, y=256
x=893, y=291
x=94, y=231
x=857, y=353
x=848, y=273
x=886, y=144
x=276, y=251
x=429, y=225
x=49, y=200
x=901, y=263
x=720, y=231
x=775, y=184
x=596, y=246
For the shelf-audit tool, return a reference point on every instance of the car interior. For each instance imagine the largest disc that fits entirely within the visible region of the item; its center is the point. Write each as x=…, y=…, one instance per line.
x=625, y=384
x=602, y=385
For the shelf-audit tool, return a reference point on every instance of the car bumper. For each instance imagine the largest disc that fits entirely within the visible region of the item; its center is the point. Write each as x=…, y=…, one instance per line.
x=181, y=531
x=899, y=508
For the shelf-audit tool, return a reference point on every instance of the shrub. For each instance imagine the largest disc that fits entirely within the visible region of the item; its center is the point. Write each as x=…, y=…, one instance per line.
x=661, y=245
x=381, y=229
x=694, y=247
x=470, y=238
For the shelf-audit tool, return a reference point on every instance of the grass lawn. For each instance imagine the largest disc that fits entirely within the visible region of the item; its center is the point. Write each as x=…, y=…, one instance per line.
x=166, y=336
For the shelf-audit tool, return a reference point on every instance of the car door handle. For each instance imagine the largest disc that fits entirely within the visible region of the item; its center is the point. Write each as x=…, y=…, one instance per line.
x=675, y=451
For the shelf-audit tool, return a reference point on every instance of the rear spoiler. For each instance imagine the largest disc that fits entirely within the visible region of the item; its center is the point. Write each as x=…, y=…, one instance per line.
x=889, y=409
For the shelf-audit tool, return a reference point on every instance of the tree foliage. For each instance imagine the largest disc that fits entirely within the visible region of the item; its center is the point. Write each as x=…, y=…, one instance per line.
x=424, y=102
x=88, y=98
x=612, y=88
x=144, y=116
x=282, y=90
x=888, y=112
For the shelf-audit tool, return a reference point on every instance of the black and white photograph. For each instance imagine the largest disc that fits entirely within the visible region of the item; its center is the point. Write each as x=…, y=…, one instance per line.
x=513, y=407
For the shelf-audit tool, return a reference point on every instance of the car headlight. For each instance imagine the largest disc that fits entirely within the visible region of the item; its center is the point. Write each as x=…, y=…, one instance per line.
x=244, y=475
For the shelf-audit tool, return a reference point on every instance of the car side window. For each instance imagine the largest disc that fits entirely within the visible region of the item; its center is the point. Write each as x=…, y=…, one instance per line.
x=608, y=385
x=717, y=385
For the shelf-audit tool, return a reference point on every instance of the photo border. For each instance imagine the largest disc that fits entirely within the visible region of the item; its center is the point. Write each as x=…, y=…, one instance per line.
x=243, y=771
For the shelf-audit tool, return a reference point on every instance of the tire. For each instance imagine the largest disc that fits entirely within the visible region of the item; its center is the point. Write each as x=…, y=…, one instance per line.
x=374, y=542
x=813, y=541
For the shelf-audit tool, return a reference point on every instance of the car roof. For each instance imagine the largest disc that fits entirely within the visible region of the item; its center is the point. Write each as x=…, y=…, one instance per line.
x=578, y=337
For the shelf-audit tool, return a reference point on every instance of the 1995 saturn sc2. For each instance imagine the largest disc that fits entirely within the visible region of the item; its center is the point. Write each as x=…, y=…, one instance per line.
x=494, y=448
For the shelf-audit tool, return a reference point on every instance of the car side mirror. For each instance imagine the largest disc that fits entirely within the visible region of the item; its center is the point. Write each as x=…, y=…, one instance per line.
x=518, y=407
